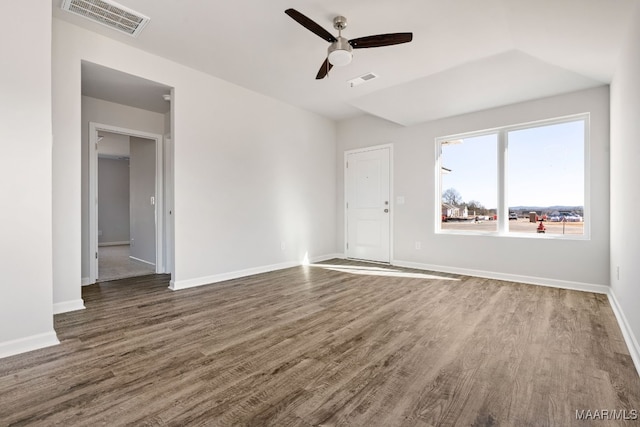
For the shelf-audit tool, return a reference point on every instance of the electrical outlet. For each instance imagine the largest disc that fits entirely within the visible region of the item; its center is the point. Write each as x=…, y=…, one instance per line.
x=418, y=245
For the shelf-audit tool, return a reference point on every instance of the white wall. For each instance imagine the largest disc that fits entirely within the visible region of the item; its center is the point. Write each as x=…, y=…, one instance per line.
x=625, y=178
x=556, y=262
x=26, y=313
x=113, y=200
x=250, y=172
x=106, y=113
x=142, y=187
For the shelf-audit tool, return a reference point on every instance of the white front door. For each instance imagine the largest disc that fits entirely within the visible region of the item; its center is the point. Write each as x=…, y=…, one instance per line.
x=368, y=204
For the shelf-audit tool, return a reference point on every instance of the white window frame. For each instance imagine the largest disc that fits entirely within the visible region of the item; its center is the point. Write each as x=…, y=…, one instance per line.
x=502, y=153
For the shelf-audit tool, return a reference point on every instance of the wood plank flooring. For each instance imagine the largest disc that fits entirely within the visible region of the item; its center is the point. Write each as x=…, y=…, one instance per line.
x=339, y=343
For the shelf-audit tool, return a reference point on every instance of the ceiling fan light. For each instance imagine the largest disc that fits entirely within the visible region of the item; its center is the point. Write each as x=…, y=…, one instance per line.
x=339, y=52
x=340, y=57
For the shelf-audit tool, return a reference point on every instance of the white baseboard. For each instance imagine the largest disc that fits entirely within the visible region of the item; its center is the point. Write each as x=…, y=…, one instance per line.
x=326, y=258
x=207, y=280
x=33, y=342
x=142, y=260
x=86, y=281
x=124, y=242
x=67, y=306
x=627, y=333
x=554, y=283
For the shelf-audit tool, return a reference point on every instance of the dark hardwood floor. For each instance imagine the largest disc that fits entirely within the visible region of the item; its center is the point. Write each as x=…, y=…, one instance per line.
x=355, y=344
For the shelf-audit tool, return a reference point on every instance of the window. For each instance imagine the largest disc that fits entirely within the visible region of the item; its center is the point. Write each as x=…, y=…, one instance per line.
x=523, y=180
x=469, y=183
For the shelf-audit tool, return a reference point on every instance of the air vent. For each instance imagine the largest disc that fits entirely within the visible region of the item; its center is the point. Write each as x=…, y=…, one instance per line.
x=109, y=14
x=362, y=79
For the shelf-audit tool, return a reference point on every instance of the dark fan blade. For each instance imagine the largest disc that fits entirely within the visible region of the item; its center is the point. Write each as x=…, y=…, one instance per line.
x=381, y=40
x=324, y=69
x=310, y=25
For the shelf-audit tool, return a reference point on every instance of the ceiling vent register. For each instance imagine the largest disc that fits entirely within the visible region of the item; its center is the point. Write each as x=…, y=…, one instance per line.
x=109, y=14
x=362, y=79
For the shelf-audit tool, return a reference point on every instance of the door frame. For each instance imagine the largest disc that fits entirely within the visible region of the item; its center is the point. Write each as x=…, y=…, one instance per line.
x=169, y=254
x=346, y=191
x=94, y=128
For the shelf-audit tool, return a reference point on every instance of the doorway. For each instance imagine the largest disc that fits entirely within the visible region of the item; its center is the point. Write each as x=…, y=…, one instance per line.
x=142, y=252
x=368, y=214
x=126, y=229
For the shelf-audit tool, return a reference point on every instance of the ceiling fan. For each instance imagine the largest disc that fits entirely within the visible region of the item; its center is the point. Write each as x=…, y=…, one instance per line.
x=340, y=49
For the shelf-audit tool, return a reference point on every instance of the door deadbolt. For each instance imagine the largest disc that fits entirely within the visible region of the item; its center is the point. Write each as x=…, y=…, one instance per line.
x=386, y=210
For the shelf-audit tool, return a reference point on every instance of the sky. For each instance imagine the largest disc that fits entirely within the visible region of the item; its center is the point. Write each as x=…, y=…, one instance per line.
x=545, y=167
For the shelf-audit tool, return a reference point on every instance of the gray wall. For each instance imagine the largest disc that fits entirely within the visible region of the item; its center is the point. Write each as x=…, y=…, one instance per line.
x=113, y=200
x=142, y=189
x=625, y=176
x=414, y=179
x=252, y=174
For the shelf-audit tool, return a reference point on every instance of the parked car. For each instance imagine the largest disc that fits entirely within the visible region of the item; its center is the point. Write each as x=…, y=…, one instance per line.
x=565, y=217
x=513, y=216
x=571, y=217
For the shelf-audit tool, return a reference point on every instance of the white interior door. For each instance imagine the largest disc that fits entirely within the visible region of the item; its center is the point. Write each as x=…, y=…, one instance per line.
x=368, y=204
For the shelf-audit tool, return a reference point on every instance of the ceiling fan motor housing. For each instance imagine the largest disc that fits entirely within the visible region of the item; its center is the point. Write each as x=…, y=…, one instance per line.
x=340, y=52
x=339, y=23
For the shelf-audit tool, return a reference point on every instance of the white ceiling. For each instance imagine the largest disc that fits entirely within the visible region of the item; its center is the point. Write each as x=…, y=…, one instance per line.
x=466, y=55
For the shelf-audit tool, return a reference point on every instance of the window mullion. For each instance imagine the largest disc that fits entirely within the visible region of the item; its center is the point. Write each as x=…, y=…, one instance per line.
x=502, y=208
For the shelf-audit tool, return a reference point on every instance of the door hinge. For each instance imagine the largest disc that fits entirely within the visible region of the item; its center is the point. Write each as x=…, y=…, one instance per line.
x=96, y=255
x=347, y=165
x=347, y=205
x=347, y=245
